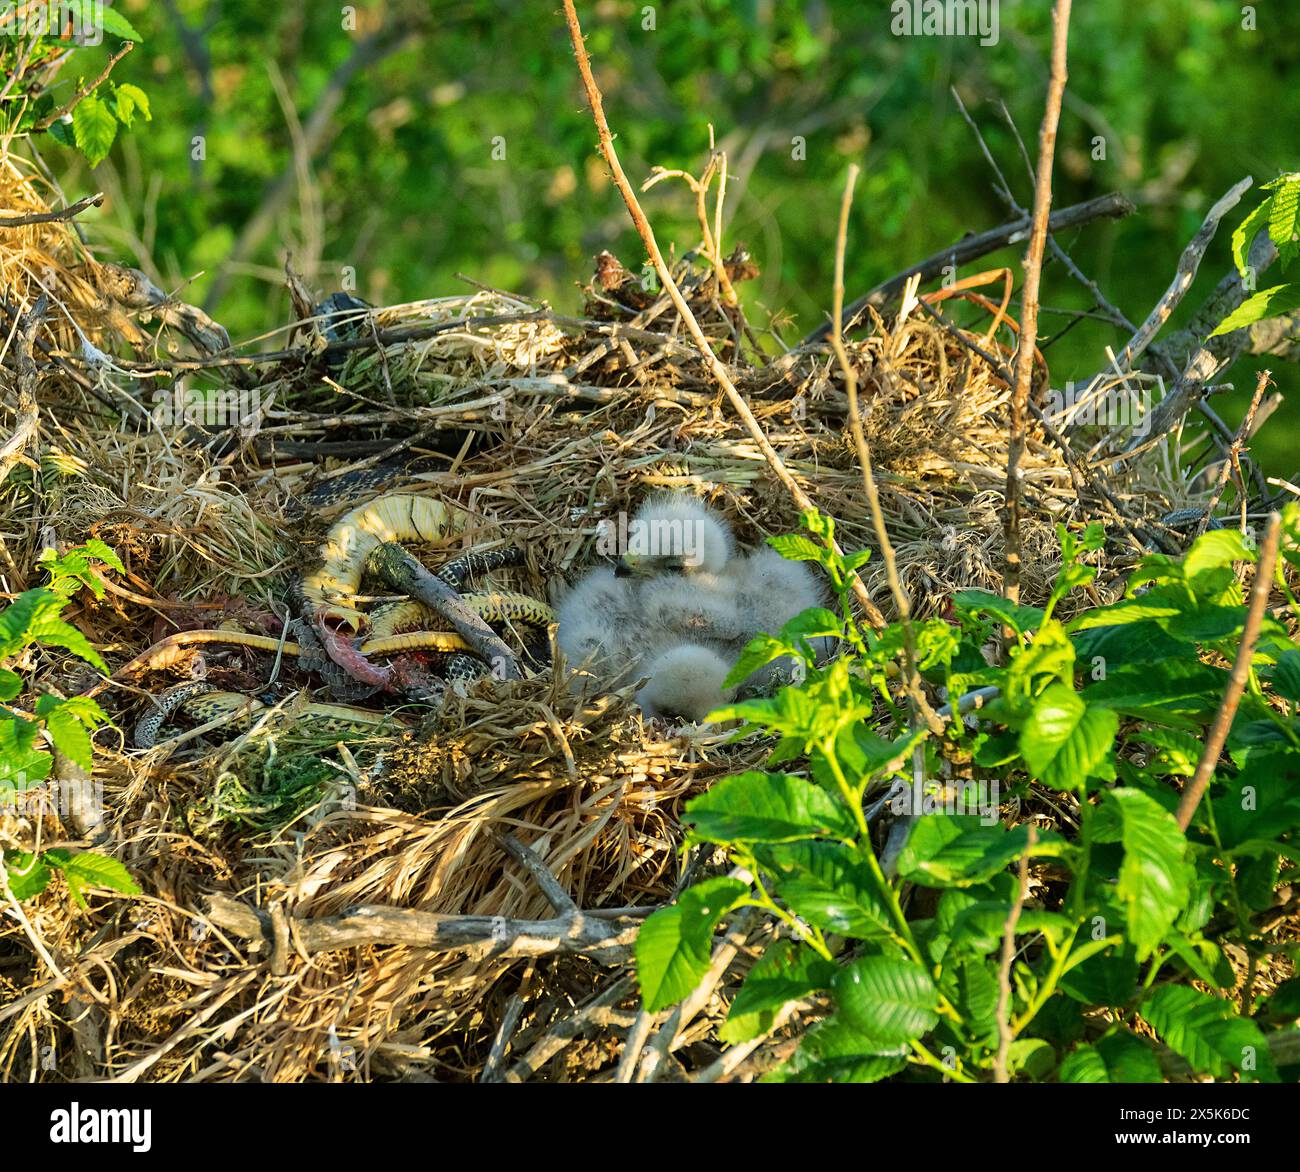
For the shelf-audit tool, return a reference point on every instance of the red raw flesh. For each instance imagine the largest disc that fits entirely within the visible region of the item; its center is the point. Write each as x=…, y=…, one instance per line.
x=341, y=646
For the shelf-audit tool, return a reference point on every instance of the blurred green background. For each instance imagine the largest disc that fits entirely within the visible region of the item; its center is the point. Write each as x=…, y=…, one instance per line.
x=377, y=148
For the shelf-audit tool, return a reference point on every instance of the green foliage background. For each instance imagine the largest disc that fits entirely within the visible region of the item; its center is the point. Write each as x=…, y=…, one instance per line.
x=406, y=190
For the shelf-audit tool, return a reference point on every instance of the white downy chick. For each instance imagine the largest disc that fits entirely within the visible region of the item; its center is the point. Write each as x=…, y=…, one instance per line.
x=599, y=621
x=770, y=590
x=674, y=533
x=686, y=682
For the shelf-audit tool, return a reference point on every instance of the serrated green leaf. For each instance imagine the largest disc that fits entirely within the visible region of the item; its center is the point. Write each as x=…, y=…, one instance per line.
x=1286, y=676
x=1245, y=233
x=785, y=972
x=94, y=128
x=1284, y=220
x=829, y=885
x=129, y=99
x=951, y=849
x=1267, y=303
x=70, y=737
x=89, y=869
x=1022, y=619
x=673, y=946
x=1154, y=877
x=27, y=874
x=21, y=764
x=1066, y=740
x=890, y=1001
x=1116, y=1058
x=11, y=683
x=1218, y=549
x=832, y=1051
x=118, y=25
x=1105, y=978
x=795, y=548
x=767, y=807
x=1208, y=1033
x=761, y=650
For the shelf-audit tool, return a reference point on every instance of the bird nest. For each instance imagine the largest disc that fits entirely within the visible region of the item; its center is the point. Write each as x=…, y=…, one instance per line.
x=245, y=957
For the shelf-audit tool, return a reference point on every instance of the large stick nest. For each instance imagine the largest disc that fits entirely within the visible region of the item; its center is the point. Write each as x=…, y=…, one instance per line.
x=541, y=427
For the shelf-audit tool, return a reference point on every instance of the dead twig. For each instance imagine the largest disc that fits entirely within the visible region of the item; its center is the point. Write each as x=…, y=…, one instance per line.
x=73, y=209
x=1218, y=733
x=902, y=604
x=716, y=368
x=1033, y=277
x=607, y=941
x=1234, y=451
x=1112, y=206
x=1005, y=1032
x=28, y=415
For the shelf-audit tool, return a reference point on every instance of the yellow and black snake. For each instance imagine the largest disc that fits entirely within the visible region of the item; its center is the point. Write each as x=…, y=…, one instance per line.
x=348, y=635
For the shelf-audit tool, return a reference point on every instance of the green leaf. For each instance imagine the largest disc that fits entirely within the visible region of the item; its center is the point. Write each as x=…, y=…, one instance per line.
x=1176, y=752
x=829, y=885
x=1218, y=549
x=89, y=869
x=1116, y=1058
x=57, y=633
x=1208, y=1033
x=119, y=26
x=94, y=128
x=761, y=650
x=1245, y=233
x=1284, y=220
x=27, y=874
x=70, y=738
x=21, y=764
x=1066, y=740
x=796, y=548
x=129, y=99
x=1020, y=618
x=1286, y=676
x=785, y=972
x=1031, y=1056
x=101, y=550
x=891, y=1001
x=1284, y=1002
x=955, y=850
x=833, y=1051
x=815, y=623
x=1154, y=878
x=1272, y=302
x=1105, y=978
x=673, y=946
x=767, y=807
x=1173, y=686
x=11, y=683
x=977, y=999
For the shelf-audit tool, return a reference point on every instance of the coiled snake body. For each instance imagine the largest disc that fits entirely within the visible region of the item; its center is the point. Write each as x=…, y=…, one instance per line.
x=348, y=636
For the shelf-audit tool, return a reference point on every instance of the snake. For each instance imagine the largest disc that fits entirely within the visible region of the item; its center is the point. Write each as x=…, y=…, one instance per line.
x=205, y=703
x=348, y=635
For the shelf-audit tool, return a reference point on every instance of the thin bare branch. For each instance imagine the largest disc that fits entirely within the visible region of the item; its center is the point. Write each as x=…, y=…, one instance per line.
x=1033, y=278
x=716, y=368
x=1218, y=733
